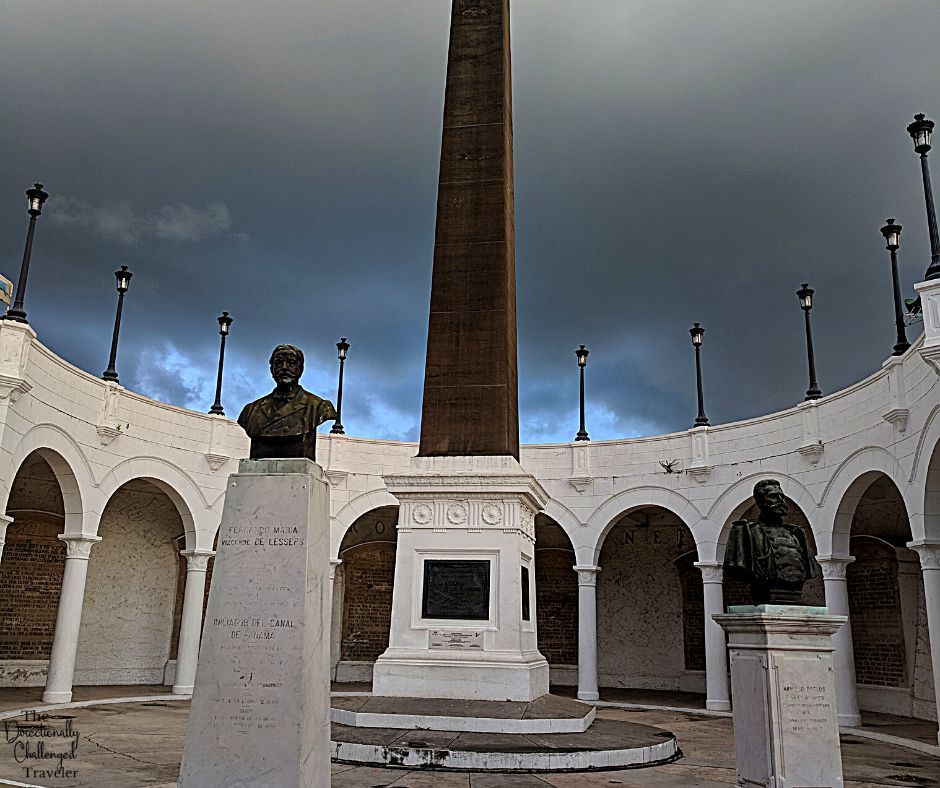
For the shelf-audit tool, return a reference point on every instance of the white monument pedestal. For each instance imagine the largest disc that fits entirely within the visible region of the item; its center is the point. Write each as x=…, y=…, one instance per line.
x=463, y=607
x=786, y=729
x=260, y=709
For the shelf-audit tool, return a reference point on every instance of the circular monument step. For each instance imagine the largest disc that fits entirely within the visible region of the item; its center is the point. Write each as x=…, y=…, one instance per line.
x=546, y=714
x=606, y=744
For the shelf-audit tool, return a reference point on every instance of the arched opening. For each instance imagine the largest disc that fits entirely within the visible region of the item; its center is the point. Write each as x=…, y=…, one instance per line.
x=129, y=611
x=362, y=590
x=886, y=607
x=556, y=600
x=31, y=571
x=650, y=613
x=737, y=591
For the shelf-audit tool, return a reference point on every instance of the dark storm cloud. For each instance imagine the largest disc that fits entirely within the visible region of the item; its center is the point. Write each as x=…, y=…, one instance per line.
x=674, y=162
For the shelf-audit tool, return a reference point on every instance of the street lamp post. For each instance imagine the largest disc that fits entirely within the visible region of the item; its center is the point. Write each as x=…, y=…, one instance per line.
x=920, y=131
x=892, y=234
x=342, y=348
x=582, y=354
x=698, y=334
x=123, y=277
x=225, y=322
x=36, y=197
x=805, y=294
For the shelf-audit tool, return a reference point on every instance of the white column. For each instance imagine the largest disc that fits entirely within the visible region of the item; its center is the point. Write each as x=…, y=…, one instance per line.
x=337, y=589
x=930, y=566
x=837, y=600
x=587, y=632
x=69, y=618
x=717, y=696
x=187, y=651
x=4, y=522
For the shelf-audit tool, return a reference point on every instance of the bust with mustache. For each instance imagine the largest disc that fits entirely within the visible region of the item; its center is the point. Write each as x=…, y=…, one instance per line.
x=284, y=423
x=774, y=556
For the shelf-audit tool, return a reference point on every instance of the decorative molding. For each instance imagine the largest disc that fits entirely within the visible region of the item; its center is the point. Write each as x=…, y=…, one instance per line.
x=334, y=564
x=929, y=553
x=197, y=560
x=932, y=356
x=587, y=575
x=812, y=447
x=334, y=476
x=929, y=292
x=457, y=514
x=711, y=573
x=700, y=469
x=834, y=567
x=422, y=514
x=216, y=461
x=78, y=546
x=898, y=417
x=13, y=388
x=581, y=477
x=108, y=427
x=898, y=412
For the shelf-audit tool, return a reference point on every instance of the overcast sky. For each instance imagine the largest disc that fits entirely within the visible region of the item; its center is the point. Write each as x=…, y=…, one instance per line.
x=675, y=161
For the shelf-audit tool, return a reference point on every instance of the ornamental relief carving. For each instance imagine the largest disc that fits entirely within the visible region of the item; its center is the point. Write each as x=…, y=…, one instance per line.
x=492, y=514
x=422, y=514
x=457, y=514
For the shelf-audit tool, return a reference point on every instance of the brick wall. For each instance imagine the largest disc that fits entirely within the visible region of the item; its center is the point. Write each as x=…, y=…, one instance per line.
x=693, y=614
x=31, y=579
x=367, y=602
x=875, y=609
x=556, y=592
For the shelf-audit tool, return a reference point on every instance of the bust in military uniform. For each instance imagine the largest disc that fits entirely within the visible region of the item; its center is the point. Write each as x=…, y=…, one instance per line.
x=773, y=555
x=284, y=423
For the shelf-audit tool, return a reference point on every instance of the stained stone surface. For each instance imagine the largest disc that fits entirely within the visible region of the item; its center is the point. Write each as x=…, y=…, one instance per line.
x=470, y=385
x=260, y=711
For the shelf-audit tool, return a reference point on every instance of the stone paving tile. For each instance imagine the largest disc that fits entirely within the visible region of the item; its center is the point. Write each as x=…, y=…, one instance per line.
x=432, y=780
x=366, y=777
x=483, y=780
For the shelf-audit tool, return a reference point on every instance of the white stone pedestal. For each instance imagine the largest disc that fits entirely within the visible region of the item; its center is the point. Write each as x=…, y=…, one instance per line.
x=786, y=730
x=479, y=510
x=260, y=710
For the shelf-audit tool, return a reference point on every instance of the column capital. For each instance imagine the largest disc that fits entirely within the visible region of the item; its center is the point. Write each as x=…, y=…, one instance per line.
x=711, y=572
x=5, y=520
x=334, y=562
x=587, y=575
x=929, y=553
x=834, y=566
x=197, y=560
x=78, y=546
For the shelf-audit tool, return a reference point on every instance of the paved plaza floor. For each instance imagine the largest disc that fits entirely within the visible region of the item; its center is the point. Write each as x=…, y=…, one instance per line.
x=131, y=745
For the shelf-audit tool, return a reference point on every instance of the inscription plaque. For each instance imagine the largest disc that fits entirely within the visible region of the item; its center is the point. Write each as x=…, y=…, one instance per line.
x=452, y=640
x=456, y=590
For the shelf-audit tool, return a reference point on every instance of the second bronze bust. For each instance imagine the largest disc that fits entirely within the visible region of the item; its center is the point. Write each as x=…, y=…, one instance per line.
x=284, y=423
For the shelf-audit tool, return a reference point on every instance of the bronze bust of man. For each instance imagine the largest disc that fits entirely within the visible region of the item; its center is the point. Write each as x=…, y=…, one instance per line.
x=773, y=555
x=284, y=423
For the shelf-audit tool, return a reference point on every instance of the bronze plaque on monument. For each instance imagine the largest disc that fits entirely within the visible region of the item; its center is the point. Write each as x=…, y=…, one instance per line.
x=456, y=589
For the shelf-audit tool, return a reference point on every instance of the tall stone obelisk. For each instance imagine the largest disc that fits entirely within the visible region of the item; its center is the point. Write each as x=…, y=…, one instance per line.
x=463, y=620
x=470, y=389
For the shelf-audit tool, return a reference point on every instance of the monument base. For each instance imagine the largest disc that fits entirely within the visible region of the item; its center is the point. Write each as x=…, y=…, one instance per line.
x=260, y=709
x=463, y=607
x=786, y=729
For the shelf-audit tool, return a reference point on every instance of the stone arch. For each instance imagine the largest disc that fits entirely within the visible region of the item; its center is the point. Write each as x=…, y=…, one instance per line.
x=68, y=463
x=131, y=593
x=615, y=508
x=556, y=599
x=738, y=498
x=847, y=505
x=925, y=520
x=178, y=486
x=31, y=570
x=343, y=520
x=362, y=593
x=647, y=563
